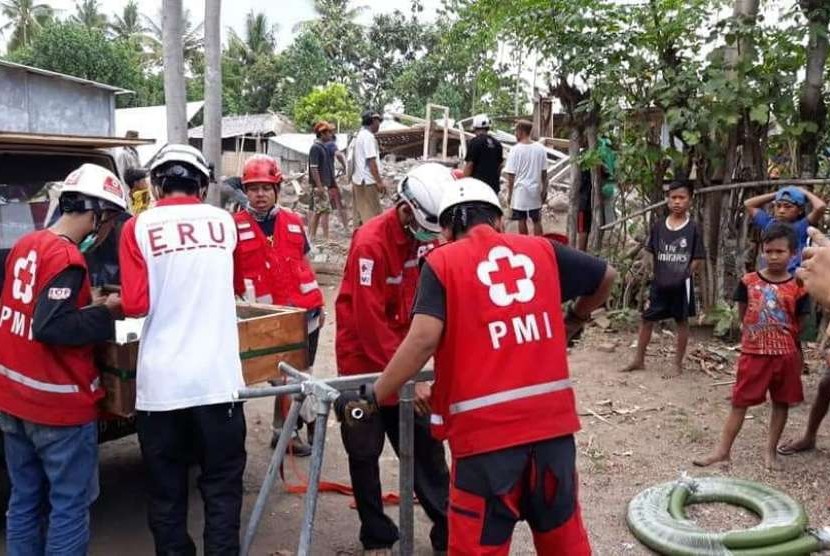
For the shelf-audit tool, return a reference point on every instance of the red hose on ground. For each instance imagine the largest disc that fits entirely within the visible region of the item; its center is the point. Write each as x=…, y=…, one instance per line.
x=389, y=499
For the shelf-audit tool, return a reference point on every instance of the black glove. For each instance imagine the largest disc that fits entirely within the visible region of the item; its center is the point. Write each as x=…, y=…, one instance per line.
x=353, y=405
x=574, y=325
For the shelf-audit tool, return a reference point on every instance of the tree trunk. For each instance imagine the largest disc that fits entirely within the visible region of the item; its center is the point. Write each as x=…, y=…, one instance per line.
x=212, y=146
x=714, y=230
x=174, y=86
x=576, y=182
x=811, y=104
x=595, y=237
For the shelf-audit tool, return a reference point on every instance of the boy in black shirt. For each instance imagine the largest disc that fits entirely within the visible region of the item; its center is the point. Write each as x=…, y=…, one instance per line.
x=676, y=246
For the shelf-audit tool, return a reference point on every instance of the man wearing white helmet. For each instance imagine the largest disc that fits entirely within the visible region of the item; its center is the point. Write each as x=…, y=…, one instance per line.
x=373, y=315
x=489, y=303
x=177, y=269
x=485, y=155
x=49, y=385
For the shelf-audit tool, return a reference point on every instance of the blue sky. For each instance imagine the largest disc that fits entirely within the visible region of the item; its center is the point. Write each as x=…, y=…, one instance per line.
x=285, y=13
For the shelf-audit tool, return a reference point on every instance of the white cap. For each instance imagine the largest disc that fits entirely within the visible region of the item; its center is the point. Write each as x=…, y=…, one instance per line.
x=97, y=182
x=481, y=121
x=183, y=154
x=469, y=190
x=422, y=189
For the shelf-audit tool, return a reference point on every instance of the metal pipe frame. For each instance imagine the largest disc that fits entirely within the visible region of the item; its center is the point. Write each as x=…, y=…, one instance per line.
x=340, y=383
x=406, y=476
x=325, y=392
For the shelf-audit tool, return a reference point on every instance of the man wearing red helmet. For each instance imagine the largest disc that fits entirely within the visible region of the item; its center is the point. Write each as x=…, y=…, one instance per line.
x=272, y=257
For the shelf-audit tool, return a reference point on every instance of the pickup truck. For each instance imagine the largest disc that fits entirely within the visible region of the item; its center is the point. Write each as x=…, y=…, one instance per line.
x=32, y=168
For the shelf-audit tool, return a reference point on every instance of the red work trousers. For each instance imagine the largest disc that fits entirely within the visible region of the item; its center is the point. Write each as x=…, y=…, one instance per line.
x=536, y=482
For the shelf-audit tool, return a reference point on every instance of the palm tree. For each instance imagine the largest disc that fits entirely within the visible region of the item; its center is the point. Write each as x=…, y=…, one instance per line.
x=336, y=28
x=260, y=38
x=128, y=24
x=193, y=38
x=89, y=14
x=25, y=19
x=330, y=14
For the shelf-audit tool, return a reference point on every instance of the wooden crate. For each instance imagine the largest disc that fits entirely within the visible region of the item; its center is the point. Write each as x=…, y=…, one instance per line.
x=117, y=363
x=268, y=334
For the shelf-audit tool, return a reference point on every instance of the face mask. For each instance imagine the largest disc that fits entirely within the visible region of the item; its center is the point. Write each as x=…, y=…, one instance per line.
x=422, y=235
x=88, y=242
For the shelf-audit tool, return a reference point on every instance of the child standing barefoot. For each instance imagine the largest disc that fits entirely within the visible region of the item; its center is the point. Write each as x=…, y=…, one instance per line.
x=772, y=306
x=677, y=247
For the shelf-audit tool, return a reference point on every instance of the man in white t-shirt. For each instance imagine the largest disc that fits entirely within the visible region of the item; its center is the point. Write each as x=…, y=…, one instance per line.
x=367, y=185
x=527, y=179
x=177, y=270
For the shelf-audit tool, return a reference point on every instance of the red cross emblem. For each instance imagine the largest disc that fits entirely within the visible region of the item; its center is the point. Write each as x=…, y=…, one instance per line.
x=508, y=276
x=23, y=285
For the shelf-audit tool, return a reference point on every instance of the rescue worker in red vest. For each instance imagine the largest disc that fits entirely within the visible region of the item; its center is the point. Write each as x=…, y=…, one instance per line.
x=489, y=311
x=49, y=385
x=272, y=257
x=373, y=316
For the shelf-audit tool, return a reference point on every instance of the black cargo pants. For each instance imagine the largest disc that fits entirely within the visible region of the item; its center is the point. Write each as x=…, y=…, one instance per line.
x=364, y=443
x=213, y=437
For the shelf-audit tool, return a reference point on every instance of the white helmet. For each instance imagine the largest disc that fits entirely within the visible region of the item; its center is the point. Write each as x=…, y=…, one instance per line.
x=180, y=161
x=468, y=190
x=96, y=182
x=422, y=189
x=481, y=121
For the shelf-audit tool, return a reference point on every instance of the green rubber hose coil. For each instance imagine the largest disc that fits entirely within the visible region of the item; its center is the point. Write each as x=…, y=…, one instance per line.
x=657, y=517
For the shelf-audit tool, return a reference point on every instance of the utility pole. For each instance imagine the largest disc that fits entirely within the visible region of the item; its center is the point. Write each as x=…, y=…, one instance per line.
x=174, y=89
x=212, y=145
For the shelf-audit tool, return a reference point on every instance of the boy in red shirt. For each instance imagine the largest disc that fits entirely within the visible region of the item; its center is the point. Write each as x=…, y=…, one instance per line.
x=772, y=306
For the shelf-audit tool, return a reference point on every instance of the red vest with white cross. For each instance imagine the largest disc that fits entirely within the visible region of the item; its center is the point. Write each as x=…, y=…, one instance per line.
x=277, y=267
x=501, y=370
x=41, y=383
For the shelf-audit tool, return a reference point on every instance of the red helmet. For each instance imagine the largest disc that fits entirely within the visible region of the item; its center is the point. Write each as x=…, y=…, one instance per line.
x=261, y=168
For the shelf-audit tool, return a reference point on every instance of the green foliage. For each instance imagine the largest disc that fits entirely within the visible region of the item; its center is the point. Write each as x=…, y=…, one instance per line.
x=74, y=49
x=129, y=24
x=396, y=57
x=192, y=40
x=302, y=67
x=333, y=103
x=394, y=41
x=260, y=39
x=25, y=20
x=725, y=319
x=88, y=13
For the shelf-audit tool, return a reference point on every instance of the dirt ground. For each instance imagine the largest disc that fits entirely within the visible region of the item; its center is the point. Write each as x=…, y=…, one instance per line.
x=619, y=455
x=647, y=430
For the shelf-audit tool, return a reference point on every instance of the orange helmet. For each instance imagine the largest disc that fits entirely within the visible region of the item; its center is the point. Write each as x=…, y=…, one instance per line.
x=261, y=168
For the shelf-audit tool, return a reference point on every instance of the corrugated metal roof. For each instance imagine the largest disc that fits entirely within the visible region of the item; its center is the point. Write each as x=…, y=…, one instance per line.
x=30, y=69
x=249, y=124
